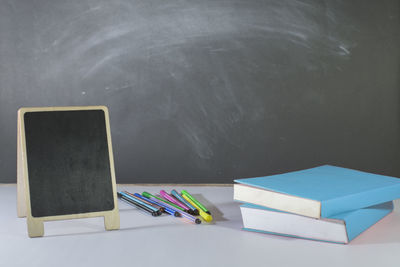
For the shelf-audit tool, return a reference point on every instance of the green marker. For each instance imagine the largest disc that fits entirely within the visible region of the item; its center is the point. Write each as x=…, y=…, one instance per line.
x=184, y=192
x=148, y=195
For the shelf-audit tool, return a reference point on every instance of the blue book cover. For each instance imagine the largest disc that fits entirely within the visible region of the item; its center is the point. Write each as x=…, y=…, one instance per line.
x=318, y=192
x=340, y=228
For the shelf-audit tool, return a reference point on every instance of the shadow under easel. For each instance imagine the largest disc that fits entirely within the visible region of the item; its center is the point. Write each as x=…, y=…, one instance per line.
x=88, y=228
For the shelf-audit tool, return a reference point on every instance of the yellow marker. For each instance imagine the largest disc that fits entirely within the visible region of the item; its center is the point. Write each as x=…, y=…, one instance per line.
x=207, y=217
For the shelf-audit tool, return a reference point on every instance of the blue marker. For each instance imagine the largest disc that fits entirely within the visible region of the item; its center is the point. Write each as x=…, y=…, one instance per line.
x=166, y=209
x=140, y=202
x=181, y=213
x=136, y=203
x=181, y=199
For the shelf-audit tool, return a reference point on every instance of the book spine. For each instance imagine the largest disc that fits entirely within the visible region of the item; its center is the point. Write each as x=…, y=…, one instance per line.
x=362, y=219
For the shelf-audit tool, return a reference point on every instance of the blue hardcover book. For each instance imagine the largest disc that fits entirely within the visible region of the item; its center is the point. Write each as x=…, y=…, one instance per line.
x=340, y=228
x=318, y=192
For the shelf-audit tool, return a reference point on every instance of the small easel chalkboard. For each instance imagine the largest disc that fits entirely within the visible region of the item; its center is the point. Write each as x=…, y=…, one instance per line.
x=65, y=166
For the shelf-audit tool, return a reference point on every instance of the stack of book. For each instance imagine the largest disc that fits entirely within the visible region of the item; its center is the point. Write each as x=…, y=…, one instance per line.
x=325, y=203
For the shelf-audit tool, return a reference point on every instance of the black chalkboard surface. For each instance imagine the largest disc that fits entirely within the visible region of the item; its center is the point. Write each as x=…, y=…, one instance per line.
x=68, y=163
x=69, y=167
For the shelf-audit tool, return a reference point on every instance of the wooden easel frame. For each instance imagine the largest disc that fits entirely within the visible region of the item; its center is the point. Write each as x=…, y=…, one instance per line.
x=35, y=224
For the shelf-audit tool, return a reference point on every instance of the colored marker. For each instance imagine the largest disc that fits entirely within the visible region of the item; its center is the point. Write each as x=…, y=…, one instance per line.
x=175, y=194
x=159, y=209
x=148, y=195
x=207, y=217
x=135, y=203
x=165, y=205
x=166, y=209
x=145, y=200
x=142, y=203
x=182, y=213
x=198, y=204
x=173, y=200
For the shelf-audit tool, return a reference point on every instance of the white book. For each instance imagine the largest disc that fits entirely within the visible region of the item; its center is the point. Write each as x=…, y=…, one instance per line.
x=340, y=228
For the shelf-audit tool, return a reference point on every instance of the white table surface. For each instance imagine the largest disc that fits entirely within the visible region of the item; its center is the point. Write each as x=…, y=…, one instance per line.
x=144, y=240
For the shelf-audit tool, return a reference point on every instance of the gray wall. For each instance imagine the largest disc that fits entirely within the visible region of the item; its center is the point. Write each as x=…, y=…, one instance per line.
x=212, y=90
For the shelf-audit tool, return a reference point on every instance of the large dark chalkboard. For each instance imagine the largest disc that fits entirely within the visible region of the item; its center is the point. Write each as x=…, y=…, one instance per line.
x=68, y=162
x=211, y=90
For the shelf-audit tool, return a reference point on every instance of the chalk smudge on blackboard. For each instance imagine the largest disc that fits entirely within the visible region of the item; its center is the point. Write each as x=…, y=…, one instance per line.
x=154, y=53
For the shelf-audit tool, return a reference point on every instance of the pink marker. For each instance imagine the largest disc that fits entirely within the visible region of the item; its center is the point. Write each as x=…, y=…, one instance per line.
x=173, y=200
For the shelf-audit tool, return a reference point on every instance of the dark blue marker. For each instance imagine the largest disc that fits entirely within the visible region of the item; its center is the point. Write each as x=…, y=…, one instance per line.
x=166, y=209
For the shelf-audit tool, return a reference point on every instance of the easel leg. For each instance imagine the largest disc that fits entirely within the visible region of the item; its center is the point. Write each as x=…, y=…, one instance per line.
x=21, y=200
x=35, y=227
x=111, y=220
x=21, y=191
